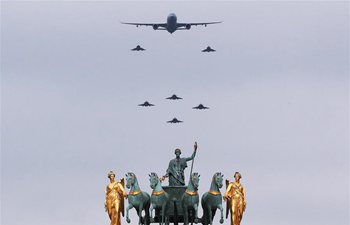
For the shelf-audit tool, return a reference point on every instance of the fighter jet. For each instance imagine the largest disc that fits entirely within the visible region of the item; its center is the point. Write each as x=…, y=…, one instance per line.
x=208, y=49
x=171, y=24
x=174, y=97
x=200, y=106
x=146, y=104
x=138, y=48
x=174, y=121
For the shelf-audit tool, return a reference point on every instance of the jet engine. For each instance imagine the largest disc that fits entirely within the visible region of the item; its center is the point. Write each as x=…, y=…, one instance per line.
x=155, y=26
x=188, y=26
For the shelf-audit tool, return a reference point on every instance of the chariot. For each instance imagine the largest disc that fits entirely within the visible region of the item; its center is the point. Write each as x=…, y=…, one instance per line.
x=174, y=204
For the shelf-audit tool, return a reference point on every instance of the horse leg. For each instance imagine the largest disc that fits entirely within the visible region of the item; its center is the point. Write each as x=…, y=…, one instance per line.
x=147, y=222
x=195, y=206
x=163, y=212
x=185, y=211
x=150, y=212
x=222, y=213
x=210, y=215
x=130, y=206
x=140, y=213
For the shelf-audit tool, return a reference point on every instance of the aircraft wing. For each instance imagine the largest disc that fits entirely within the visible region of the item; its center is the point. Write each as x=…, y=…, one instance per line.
x=163, y=25
x=196, y=24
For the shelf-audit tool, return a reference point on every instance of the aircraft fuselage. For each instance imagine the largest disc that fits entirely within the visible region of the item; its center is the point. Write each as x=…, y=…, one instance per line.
x=171, y=23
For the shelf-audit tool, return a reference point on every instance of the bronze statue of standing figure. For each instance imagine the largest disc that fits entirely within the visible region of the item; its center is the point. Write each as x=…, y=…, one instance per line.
x=236, y=199
x=176, y=168
x=114, y=203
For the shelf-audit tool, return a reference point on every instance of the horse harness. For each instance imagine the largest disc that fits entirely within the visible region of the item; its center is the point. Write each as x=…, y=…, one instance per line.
x=214, y=192
x=135, y=192
x=156, y=193
x=191, y=193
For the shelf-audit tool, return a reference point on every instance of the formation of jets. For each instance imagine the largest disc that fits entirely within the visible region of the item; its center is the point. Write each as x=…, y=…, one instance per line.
x=207, y=49
x=174, y=97
x=171, y=24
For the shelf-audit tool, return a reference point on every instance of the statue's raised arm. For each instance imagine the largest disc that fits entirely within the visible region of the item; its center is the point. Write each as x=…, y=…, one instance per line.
x=194, y=152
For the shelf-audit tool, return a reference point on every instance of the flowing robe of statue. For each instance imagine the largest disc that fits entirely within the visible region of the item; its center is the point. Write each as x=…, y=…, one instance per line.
x=176, y=170
x=176, y=173
x=115, y=194
x=235, y=196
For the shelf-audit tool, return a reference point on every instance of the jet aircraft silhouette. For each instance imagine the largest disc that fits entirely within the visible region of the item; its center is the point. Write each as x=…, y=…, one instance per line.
x=146, y=104
x=200, y=106
x=174, y=121
x=208, y=49
x=171, y=24
x=138, y=48
x=174, y=97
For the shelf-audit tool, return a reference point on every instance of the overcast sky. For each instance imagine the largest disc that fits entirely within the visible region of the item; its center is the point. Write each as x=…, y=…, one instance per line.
x=277, y=89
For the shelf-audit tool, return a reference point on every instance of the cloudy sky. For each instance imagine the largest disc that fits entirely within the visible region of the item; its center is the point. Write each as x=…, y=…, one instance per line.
x=277, y=89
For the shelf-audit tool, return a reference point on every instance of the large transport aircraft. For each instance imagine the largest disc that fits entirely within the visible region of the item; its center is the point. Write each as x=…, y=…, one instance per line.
x=171, y=25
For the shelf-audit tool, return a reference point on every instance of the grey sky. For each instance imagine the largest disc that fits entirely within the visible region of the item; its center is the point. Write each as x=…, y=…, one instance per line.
x=277, y=87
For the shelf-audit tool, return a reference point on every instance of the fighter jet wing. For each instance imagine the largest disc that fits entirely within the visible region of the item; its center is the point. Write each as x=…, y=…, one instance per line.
x=174, y=121
x=138, y=49
x=200, y=107
x=208, y=49
x=174, y=97
x=196, y=24
x=157, y=25
x=146, y=104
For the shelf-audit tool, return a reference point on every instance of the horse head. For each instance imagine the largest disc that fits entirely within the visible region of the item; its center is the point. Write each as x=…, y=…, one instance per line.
x=195, y=180
x=218, y=179
x=130, y=179
x=154, y=180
